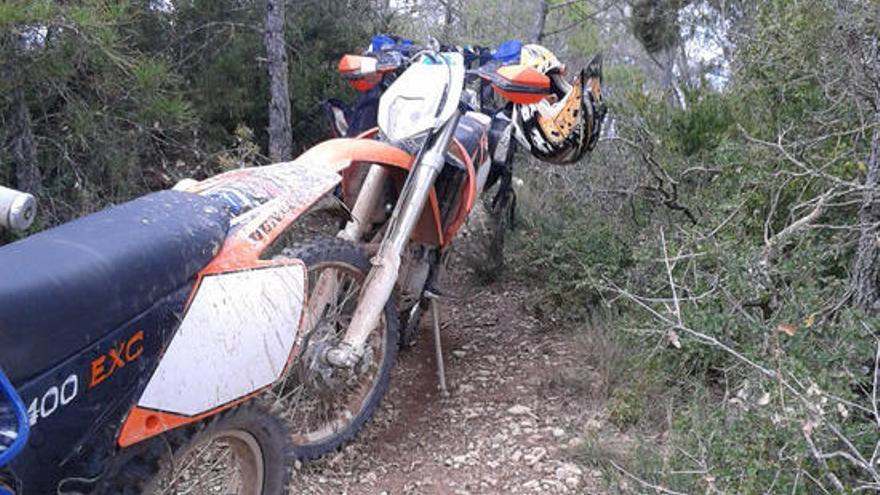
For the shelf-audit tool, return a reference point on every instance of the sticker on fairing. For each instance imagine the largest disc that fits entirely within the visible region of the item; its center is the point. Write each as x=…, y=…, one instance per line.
x=296, y=183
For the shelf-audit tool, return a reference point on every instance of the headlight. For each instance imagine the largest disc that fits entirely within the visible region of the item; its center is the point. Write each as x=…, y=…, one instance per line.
x=407, y=117
x=424, y=96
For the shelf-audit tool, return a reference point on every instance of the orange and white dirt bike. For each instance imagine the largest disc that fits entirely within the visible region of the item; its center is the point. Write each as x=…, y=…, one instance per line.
x=197, y=340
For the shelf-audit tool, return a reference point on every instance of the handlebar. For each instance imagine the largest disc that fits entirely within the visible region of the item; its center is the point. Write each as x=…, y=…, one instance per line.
x=17, y=209
x=14, y=422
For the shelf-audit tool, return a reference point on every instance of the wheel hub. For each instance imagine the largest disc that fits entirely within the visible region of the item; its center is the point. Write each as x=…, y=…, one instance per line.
x=321, y=376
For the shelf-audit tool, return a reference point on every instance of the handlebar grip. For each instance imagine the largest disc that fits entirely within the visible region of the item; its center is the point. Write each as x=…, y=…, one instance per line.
x=17, y=209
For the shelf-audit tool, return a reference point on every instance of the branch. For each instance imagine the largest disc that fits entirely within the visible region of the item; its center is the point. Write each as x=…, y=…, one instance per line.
x=642, y=482
x=803, y=222
x=820, y=458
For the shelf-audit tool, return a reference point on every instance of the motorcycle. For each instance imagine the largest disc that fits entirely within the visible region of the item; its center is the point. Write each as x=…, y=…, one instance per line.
x=200, y=338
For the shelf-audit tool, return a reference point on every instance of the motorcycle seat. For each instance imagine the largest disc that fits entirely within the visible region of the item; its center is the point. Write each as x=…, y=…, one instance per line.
x=66, y=287
x=472, y=133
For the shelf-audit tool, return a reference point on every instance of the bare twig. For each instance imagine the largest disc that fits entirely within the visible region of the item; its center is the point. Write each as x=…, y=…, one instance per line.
x=798, y=225
x=820, y=458
x=642, y=482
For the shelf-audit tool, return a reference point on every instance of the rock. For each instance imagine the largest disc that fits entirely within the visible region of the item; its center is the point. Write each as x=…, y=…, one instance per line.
x=575, y=442
x=459, y=353
x=570, y=474
x=519, y=410
x=535, y=457
x=557, y=432
x=593, y=425
x=516, y=456
x=531, y=484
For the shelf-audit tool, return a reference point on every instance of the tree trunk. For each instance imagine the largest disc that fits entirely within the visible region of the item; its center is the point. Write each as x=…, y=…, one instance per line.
x=865, y=282
x=16, y=135
x=448, y=17
x=675, y=96
x=540, y=21
x=19, y=144
x=280, y=133
x=866, y=272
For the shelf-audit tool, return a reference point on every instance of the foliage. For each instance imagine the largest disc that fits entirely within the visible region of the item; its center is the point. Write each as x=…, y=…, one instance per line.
x=715, y=229
x=572, y=253
x=741, y=346
x=655, y=23
x=126, y=98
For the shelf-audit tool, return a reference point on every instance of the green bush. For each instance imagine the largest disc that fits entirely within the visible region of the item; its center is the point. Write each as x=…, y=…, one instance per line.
x=572, y=253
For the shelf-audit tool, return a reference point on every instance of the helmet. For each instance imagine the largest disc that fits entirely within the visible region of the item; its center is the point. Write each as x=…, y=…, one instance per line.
x=561, y=131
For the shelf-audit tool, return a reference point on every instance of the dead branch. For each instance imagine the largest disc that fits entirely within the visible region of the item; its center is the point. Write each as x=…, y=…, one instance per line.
x=821, y=459
x=781, y=237
x=656, y=488
x=814, y=415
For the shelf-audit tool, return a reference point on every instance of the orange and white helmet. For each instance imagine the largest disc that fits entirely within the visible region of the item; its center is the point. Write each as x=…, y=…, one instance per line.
x=564, y=127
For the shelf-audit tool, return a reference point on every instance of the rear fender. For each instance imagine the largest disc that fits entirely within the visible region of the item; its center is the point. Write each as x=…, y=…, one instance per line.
x=221, y=355
x=239, y=331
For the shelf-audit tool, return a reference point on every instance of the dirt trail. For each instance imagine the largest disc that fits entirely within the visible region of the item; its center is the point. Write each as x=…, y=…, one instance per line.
x=509, y=425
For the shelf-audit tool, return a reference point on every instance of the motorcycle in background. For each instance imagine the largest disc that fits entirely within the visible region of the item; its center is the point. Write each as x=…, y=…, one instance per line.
x=195, y=340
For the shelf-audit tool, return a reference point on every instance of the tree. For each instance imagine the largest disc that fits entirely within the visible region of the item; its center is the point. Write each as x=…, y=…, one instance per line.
x=866, y=272
x=280, y=133
x=655, y=24
x=19, y=144
x=16, y=133
x=540, y=21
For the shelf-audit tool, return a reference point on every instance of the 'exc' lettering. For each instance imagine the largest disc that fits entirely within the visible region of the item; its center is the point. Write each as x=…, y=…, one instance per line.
x=119, y=356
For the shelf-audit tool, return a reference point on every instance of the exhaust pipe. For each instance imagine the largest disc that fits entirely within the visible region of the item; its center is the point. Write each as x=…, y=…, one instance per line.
x=17, y=209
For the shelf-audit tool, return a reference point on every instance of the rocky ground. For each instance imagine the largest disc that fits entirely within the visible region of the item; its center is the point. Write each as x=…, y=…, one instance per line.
x=518, y=408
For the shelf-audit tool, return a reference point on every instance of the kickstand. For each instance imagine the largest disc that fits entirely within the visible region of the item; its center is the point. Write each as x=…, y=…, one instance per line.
x=438, y=346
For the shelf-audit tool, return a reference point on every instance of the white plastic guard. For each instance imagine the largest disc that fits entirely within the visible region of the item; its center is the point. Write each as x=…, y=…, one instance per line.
x=235, y=338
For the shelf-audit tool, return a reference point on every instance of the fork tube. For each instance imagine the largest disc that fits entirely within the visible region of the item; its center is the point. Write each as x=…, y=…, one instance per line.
x=386, y=264
x=368, y=200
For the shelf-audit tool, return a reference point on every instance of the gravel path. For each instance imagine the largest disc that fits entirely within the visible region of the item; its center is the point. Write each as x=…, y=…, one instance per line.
x=515, y=412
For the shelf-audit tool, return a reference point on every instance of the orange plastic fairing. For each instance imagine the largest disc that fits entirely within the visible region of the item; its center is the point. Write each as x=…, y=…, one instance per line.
x=360, y=71
x=521, y=84
x=142, y=423
x=351, y=64
x=523, y=75
x=429, y=229
x=519, y=98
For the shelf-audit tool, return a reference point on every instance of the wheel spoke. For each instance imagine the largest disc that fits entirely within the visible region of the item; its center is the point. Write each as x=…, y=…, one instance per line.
x=222, y=461
x=324, y=400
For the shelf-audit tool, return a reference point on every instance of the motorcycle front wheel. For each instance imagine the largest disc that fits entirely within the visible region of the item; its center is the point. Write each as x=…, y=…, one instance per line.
x=326, y=406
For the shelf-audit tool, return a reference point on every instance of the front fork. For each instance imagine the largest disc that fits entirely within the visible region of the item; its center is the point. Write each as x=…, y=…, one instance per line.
x=386, y=264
